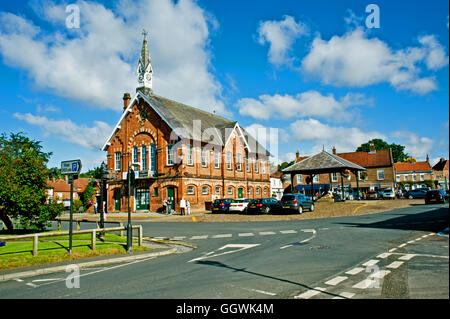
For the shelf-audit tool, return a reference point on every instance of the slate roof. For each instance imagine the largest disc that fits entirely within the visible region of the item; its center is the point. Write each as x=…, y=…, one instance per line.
x=191, y=123
x=441, y=165
x=322, y=162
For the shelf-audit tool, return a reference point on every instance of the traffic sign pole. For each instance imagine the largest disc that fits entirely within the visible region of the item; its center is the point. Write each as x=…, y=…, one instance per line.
x=71, y=214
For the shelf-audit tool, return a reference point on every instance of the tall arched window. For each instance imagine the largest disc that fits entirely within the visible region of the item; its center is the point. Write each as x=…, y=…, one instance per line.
x=144, y=158
x=135, y=154
x=152, y=158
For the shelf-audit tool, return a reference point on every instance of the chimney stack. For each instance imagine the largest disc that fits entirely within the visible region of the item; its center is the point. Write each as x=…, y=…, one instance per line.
x=334, y=150
x=126, y=101
x=428, y=159
x=297, y=155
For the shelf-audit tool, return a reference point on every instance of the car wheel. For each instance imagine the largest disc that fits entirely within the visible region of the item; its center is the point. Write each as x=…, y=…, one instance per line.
x=311, y=209
x=410, y=197
x=266, y=210
x=300, y=209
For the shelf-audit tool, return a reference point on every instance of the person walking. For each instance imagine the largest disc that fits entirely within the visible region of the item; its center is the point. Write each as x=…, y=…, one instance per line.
x=188, y=207
x=183, y=206
x=165, y=206
x=169, y=207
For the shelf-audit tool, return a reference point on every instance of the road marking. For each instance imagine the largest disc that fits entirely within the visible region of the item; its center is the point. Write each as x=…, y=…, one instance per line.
x=402, y=245
x=288, y=231
x=19, y=280
x=263, y=233
x=384, y=255
x=354, y=271
x=200, y=237
x=313, y=231
x=372, y=280
x=31, y=285
x=392, y=250
x=160, y=238
x=310, y=293
x=264, y=292
x=371, y=262
x=411, y=241
x=407, y=257
x=239, y=246
x=395, y=264
x=344, y=294
x=178, y=238
x=336, y=280
x=223, y=236
x=287, y=246
x=246, y=234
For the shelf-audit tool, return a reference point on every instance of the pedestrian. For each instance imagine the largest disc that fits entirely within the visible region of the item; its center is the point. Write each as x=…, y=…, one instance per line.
x=95, y=207
x=165, y=206
x=169, y=207
x=188, y=207
x=183, y=206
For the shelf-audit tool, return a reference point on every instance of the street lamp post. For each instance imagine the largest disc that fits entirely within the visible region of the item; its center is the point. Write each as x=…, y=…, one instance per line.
x=130, y=178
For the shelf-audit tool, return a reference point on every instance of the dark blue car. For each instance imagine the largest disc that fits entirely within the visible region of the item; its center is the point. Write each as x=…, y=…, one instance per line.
x=221, y=205
x=296, y=202
x=416, y=193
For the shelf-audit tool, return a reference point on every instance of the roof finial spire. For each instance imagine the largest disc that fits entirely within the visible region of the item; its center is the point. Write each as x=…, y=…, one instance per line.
x=144, y=33
x=145, y=71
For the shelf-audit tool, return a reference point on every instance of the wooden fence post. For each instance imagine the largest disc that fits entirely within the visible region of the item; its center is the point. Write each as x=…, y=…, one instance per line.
x=93, y=237
x=121, y=232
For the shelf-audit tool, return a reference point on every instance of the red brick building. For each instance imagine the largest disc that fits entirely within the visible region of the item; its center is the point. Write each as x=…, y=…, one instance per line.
x=178, y=151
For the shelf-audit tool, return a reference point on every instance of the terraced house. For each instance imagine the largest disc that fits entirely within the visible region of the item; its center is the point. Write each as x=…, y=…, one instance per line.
x=178, y=151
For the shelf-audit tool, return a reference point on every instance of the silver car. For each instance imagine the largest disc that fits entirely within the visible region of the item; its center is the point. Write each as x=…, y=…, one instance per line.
x=387, y=193
x=239, y=205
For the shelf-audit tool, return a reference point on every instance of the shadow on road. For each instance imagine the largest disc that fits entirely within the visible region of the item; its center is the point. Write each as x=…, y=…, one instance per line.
x=433, y=220
x=222, y=265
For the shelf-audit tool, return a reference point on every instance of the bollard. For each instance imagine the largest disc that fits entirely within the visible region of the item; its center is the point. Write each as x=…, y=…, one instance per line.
x=59, y=224
x=140, y=235
x=78, y=225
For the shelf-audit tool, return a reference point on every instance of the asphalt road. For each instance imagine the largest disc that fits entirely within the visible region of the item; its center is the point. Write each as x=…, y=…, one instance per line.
x=395, y=254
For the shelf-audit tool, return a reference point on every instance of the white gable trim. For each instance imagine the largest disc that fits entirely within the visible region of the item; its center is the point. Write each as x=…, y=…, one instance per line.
x=128, y=110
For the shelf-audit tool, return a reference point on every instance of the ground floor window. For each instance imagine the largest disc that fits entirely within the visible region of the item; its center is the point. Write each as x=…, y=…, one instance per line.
x=142, y=199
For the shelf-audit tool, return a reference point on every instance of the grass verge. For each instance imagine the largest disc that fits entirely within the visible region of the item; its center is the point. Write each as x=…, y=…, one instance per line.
x=56, y=249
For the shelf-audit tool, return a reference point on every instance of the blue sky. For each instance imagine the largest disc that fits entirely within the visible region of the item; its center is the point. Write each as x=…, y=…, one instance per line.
x=313, y=70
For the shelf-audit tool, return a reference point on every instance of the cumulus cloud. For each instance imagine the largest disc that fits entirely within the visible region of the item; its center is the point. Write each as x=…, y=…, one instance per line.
x=414, y=145
x=97, y=62
x=357, y=61
x=345, y=139
x=281, y=35
x=89, y=137
x=309, y=103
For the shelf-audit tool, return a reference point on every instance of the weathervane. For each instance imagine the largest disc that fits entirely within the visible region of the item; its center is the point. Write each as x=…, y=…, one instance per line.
x=144, y=33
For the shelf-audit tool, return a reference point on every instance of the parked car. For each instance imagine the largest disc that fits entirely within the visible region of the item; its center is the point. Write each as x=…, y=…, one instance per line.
x=296, y=202
x=373, y=195
x=387, y=193
x=221, y=205
x=415, y=193
x=239, y=205
x=263, y=205
x=436, y=196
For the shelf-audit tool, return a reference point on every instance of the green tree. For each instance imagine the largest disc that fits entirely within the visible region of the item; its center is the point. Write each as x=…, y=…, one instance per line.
x=398, y=151
x=23, y=187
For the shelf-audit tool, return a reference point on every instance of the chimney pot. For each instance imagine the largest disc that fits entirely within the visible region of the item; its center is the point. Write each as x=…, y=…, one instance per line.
x=297, y=155
x=334, y=150
x=126, y=101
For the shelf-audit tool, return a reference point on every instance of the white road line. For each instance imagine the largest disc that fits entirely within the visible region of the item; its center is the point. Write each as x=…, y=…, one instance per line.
x=310, y=293
x=371, y=262
x=246, y=234
x=178, y=238
x=31, y=285
x=372, y=281
x=344, y=294
x=336, y=280
x=384, y=255
x=395, y=264
x=160, y=238
x=223, y=236
x=354, y=271
x=366, y=283
x=200, y=237
x=407, y=257
x=264, y=233
x=288, y=231
x=264, y=292
x=287, y=246
x=411, y=241
x=19, y=280
x=392, y=250
x=402, y=245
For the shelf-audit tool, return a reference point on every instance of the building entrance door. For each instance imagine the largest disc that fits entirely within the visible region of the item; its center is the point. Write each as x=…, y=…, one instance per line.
x=240, y=192
x=142, y=199
x=171, y=197
x=117, y=199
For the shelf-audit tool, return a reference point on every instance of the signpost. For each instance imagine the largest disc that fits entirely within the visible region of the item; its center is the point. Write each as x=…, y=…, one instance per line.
x=131, y=181
x=71, y=168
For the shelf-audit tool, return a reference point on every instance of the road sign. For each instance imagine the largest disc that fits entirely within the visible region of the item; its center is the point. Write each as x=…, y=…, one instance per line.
x=71, y=167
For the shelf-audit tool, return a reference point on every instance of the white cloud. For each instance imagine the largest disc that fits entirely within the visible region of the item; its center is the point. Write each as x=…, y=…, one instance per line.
x=97, y=62
x=309, y=103
x=345, y=139
x=415, y=146
x=281, y=35
x=89, y=137
x=357, y=61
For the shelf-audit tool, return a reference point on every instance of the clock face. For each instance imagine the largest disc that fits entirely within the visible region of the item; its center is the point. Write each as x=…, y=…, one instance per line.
x=149, y=77
x=141, y=77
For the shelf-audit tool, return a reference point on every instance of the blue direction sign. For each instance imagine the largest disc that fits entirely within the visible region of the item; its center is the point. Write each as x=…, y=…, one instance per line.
x=71, y=167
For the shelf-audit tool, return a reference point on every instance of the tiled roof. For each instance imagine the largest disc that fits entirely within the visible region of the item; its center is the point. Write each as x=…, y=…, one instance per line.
x=412, y=167
x=379, y=158
x=60, y=185
x=441, y=165
x=322, y=162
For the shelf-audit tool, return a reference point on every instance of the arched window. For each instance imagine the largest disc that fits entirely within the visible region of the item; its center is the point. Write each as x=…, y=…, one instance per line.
x=205, y=190
x=144, y=158
x=153, y=158
x=135, y=154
